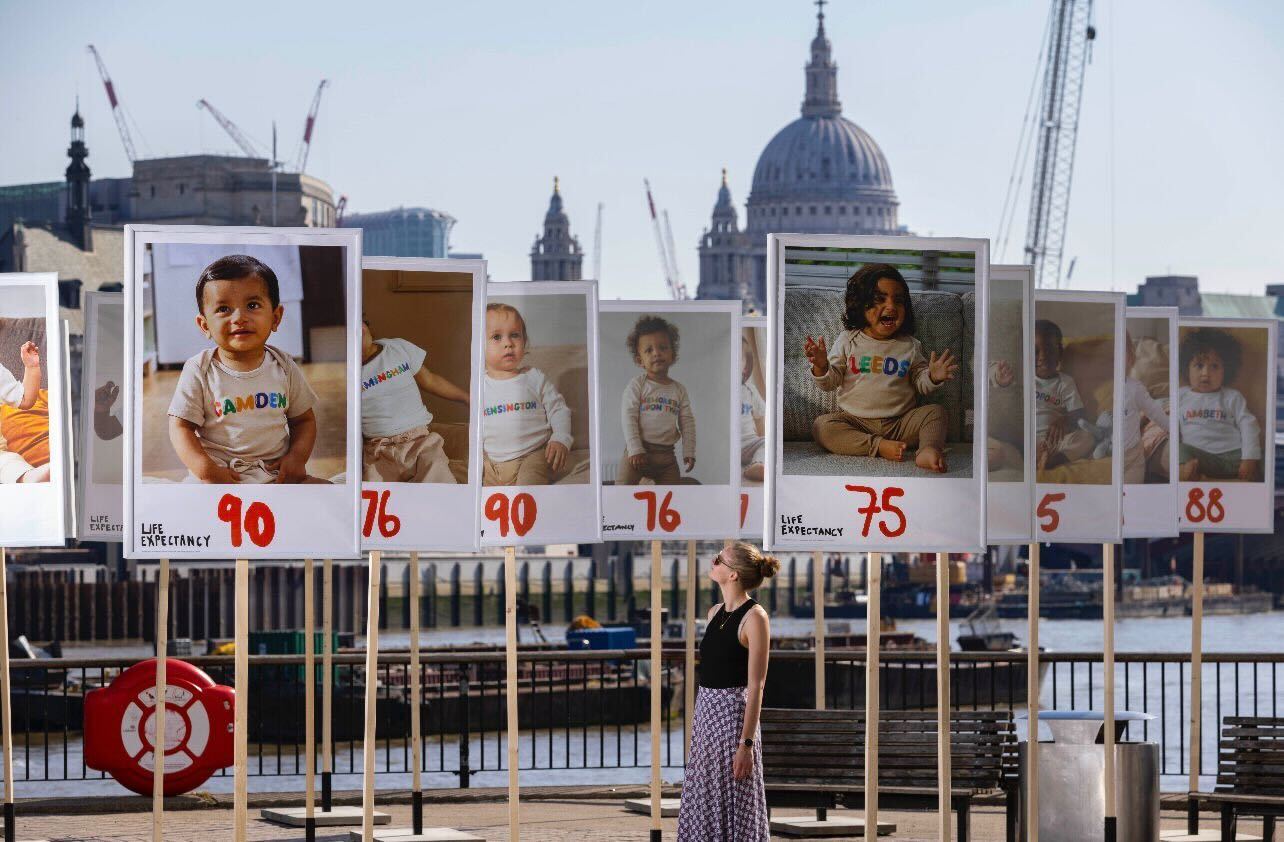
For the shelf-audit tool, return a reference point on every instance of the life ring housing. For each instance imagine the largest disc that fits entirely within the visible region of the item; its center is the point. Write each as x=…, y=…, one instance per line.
x=120, y=727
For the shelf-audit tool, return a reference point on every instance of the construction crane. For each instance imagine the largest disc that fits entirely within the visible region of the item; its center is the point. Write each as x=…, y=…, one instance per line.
x=597, y=245
x=305, y=145
x=228, y=126
x=673, y=258
x=676, y=289
x=1067, y=52
x=116, y=111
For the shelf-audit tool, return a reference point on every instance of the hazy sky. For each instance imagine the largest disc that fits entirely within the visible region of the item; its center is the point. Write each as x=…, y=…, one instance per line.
x=473, y=107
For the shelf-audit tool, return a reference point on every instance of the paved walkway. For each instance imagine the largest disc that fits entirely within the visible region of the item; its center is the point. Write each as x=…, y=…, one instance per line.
x=542, y=821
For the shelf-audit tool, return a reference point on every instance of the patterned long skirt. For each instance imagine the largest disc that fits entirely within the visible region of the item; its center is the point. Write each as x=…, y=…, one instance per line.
x=715, y=806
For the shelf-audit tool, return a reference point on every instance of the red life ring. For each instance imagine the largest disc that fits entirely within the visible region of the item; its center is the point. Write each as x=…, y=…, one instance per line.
x=120, y=728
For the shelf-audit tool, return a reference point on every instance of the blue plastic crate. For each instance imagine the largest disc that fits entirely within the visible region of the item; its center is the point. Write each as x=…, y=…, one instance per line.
x=610, y=637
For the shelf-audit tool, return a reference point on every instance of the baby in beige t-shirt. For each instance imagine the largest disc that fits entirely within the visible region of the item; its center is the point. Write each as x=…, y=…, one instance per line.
x=242, y=411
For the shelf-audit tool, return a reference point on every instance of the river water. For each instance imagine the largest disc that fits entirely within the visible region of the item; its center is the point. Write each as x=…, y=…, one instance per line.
x=615, y=756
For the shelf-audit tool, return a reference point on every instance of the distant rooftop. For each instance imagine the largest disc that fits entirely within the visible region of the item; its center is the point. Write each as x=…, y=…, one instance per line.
x=1219, y=305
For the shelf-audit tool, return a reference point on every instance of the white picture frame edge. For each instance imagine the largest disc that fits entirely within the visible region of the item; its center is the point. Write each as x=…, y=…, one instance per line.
x=1268, y=439
x=349, y=238
x=588, y=289
x=1171, y=314
x=747, y=532
x=55, y=364
x=477, y=268
x=731, y=308
x=1020, y=272
x=776, y=244
x=1119, y=300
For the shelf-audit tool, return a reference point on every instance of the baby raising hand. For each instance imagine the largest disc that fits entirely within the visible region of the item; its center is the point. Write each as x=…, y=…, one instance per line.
x=817, y=355
x=942, y=368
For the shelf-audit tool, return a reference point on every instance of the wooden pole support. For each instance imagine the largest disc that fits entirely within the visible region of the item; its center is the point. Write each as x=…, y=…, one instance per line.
x=510, y=651
x=309, y=697
x=327, y=679
x=818, y=619
x=1108, y=668
x=944, y=774
x=873, y=631
x=241, y=678
x=158, y=718
x=1196, y=667
x=6, y=694
x=657, y=677
x=1032, y=698
x=372, y=697
x=416, y=727
x=689, y=671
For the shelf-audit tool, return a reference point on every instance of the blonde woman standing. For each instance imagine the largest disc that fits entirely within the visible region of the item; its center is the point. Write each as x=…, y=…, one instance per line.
x=723, y=798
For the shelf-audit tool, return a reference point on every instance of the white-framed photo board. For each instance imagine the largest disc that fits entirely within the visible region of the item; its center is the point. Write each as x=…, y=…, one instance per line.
x=1149, y=423
x=539, y=414
x=669, y=392
x=248, y=450
x=1009, y=375
x=102, y=422
x=33, y=413
x=752, y=425
x=421, y=345
x=872, y=340
x=1078, y=380
x=1227, y=371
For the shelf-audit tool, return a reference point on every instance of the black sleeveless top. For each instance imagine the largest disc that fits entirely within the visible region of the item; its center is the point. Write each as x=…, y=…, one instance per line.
x=724, y=660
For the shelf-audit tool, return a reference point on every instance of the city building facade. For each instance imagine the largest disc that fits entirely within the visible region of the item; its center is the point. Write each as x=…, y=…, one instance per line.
x=403, y=232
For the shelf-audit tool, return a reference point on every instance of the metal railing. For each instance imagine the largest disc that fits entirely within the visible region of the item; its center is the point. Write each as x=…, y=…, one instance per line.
x=590, y=710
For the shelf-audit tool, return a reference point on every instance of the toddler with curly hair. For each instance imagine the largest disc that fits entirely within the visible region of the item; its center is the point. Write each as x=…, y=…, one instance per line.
x=655, y=409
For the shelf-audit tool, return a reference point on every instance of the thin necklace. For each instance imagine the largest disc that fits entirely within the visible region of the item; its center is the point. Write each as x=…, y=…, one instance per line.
x=727, y=614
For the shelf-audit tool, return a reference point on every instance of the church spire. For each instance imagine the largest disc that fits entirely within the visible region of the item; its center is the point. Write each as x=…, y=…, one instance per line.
x=822, y=74
x=79, y=214
x=556, y=256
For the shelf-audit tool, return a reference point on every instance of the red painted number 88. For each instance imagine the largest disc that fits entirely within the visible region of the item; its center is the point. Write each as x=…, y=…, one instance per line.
x=1197, y=512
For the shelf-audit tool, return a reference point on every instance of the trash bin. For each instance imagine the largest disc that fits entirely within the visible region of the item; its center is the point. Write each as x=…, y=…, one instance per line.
x=1072, y=801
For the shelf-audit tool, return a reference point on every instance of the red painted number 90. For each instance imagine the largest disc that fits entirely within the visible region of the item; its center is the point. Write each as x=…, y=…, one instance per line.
x=257, y=520
x=517, y=515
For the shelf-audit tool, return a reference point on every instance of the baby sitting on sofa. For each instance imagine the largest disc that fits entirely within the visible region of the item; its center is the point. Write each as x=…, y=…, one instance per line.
x=879, y=369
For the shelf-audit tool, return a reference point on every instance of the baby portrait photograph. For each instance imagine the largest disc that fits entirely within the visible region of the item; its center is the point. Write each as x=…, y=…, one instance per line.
x=416, y=369
x=535, y=391
x=878, y=362
x=1222, y=403
x=35, y=440
x=753, y=406
x=248, y=384
x=1074, y=351
x=241, y=394
x=1147, y=400
x=663, y=390
x=876, y=425
x=24, y=385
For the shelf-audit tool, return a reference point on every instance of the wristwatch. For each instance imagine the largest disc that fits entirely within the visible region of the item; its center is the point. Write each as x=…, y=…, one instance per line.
x=747, y=743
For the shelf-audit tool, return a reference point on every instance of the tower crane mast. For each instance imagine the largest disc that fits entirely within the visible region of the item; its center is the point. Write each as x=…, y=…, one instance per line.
x=116, y=112
x=676, y=290
x=228, y=126
x=305, y=145
x=1068, y=51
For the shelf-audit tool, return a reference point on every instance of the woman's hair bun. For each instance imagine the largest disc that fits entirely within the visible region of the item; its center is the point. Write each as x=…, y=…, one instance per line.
x=768, y=566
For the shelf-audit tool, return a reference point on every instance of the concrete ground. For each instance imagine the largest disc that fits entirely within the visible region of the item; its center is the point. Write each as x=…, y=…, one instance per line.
x=546, y=820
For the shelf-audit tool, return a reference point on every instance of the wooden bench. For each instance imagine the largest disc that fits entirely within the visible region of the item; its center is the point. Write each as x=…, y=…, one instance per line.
x=816, y=759
x=1250, y=772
